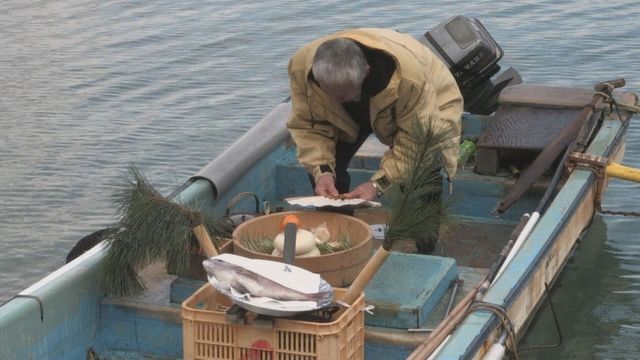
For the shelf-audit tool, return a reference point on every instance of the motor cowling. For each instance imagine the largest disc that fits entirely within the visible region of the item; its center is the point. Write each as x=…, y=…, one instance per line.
x=472, y=55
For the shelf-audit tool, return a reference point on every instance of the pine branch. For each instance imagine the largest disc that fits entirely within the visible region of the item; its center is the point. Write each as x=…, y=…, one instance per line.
x=152, y=228
x=413, y=213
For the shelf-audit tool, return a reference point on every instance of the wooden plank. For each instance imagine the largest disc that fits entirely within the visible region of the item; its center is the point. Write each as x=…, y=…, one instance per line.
x=546, y=96
x=554, y=97
x=487, y=161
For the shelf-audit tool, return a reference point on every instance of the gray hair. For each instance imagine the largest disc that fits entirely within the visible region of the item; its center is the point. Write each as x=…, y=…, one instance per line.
x=340, y=63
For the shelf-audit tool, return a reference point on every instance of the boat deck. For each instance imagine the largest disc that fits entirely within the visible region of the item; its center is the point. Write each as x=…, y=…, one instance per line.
x=154, y=306
x=470, y=228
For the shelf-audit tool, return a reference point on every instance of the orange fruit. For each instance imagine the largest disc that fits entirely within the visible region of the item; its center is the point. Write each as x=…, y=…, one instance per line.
x=289, y=219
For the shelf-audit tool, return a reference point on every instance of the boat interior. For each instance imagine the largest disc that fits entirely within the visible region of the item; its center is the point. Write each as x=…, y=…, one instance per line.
x=471, y=197
x=149, y=326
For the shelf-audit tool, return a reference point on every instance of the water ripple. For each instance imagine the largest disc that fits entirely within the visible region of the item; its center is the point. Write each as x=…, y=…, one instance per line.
x=90, y=86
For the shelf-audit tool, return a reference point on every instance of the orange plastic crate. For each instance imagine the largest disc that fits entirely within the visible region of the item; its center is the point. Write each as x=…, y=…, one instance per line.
x=208, y=335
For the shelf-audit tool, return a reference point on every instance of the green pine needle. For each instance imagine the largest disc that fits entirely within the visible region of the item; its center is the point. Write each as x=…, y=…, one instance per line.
x=152, y=228
x=412, y=212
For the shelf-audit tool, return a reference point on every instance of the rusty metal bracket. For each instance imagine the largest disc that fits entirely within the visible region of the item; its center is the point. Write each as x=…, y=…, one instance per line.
x=594, y=163
x=598, y=165
x=579, y=159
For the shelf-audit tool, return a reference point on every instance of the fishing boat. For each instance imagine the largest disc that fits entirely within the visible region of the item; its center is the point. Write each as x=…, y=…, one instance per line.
x=440, y=309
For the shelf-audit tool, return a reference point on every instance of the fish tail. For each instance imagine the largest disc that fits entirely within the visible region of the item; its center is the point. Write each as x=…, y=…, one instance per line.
x=322, y=298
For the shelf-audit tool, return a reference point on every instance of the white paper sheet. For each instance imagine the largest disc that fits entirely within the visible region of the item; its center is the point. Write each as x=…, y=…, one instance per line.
x=291, y=276
x=320, y=201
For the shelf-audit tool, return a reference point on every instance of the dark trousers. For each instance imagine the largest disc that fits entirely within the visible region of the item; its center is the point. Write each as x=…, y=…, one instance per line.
x=426, y=244
x=344, y=153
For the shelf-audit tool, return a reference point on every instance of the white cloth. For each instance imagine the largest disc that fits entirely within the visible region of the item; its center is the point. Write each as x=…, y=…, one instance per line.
x=272, y=304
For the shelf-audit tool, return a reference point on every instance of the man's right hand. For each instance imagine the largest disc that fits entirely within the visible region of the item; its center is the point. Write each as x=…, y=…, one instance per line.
x=326, y=186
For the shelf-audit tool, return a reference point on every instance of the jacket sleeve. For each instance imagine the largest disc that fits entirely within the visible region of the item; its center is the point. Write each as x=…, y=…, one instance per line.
x=315, y=138
x=420, y=104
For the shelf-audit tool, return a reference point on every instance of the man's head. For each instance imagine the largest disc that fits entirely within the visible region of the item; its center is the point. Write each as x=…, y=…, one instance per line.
x=340, y=66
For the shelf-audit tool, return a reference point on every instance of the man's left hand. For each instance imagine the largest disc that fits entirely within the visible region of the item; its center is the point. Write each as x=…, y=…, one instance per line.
x=364, y=191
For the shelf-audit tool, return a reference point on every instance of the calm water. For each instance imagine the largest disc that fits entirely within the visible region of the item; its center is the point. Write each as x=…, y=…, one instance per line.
x=87, y=87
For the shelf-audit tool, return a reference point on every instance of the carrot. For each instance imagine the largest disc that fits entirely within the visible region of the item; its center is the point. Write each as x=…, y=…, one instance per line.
x=289, y=219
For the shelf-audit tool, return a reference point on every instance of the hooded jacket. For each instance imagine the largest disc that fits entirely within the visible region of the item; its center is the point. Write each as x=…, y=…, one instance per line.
x=421, y=89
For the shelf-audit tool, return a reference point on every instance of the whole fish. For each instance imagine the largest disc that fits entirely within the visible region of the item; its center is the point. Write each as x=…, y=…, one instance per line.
x=247, y=281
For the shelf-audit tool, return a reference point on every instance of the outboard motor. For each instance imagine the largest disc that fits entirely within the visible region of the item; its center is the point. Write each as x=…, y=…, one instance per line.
x=472, y=55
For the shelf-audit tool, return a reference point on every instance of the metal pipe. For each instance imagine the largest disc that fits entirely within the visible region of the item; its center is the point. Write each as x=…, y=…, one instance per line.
x=497, y=350
x=528, y=228
x=453, y=296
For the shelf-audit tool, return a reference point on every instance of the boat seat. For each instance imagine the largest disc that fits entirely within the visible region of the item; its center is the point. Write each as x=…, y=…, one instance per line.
x=527, y=119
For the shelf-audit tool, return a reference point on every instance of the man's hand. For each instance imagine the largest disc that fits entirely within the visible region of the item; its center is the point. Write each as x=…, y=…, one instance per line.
x=326, y=186
x=365, y=191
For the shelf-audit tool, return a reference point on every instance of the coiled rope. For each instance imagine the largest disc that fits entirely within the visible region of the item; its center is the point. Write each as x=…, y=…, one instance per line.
x=501, y=314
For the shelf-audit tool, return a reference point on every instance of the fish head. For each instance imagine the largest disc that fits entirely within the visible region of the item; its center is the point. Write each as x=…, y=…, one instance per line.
x=212, y=263
x=220, y=270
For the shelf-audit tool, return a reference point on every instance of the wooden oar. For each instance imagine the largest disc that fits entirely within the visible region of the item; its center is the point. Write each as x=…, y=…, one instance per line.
x=531, y=174
x=622, y=172
x=441, y=332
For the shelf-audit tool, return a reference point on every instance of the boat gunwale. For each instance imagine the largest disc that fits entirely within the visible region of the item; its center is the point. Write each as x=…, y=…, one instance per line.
x=490, y=322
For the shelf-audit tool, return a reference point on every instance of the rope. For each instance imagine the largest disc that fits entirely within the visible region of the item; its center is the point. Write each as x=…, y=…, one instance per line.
x=626, y=107
x=622, y=213
x=501, y=314
x=598, y=164
x=555, y=319
x=599, y=172
x=607, y=94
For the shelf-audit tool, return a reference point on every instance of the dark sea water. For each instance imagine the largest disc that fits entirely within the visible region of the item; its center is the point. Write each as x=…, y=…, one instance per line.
x=88, y=87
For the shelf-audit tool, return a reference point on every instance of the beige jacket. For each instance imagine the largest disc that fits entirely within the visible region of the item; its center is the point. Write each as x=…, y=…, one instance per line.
x=421, y=86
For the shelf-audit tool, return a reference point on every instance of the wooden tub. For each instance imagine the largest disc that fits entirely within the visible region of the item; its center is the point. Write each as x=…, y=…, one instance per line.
x=339, y=269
